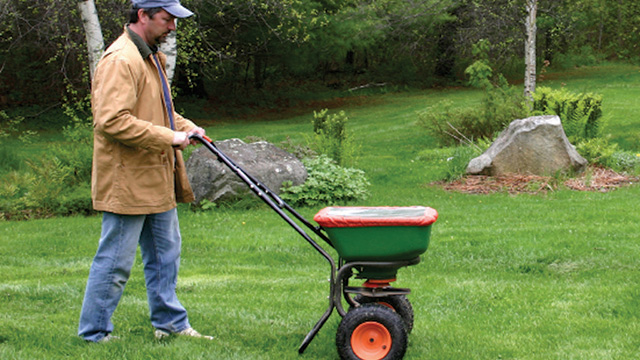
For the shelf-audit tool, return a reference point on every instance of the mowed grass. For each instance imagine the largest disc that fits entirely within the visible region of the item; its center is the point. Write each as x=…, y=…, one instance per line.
x=548, y=276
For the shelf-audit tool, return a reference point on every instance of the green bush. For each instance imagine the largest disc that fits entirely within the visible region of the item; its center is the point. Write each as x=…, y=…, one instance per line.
x=332, y=138
x=75, y=201
x=581, y=114
x=327, y=184
x=480, y=72
x=597, y=150
x=600, y=151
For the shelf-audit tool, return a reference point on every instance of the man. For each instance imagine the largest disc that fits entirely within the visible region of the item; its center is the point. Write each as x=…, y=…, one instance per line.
x=138, y=175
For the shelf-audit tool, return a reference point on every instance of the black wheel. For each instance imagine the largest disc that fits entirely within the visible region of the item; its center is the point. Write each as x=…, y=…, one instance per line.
x=371, y=332
x=398, y=303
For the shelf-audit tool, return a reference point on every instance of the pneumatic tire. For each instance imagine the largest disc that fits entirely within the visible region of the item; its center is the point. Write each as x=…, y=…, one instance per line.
x=398, y=303
x=371, y=332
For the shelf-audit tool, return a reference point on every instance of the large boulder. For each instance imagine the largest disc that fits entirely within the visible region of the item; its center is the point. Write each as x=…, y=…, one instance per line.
x=214, y=181
x=535, y=146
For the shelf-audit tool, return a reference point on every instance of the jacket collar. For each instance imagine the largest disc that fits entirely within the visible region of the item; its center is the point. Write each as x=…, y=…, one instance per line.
x=143, y=47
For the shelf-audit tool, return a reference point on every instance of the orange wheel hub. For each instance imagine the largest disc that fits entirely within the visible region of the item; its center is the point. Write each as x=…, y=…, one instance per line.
x=371, y=341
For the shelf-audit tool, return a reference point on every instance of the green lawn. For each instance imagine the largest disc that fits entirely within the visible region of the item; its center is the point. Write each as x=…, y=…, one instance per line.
x=549, y=276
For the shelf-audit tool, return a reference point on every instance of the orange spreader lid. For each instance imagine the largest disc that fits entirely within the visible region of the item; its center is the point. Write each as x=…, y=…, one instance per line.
x=376, y=216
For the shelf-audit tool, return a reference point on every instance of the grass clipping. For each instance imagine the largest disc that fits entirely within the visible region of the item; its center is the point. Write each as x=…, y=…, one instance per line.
x=595, y=178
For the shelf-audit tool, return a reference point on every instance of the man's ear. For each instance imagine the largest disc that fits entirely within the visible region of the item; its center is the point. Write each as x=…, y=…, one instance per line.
x=143, y=17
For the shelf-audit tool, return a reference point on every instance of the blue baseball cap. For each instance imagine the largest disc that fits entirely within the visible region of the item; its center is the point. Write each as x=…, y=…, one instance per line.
x=173, y=7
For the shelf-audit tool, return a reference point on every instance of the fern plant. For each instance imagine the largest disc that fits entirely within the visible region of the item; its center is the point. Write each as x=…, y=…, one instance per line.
x=581, y=114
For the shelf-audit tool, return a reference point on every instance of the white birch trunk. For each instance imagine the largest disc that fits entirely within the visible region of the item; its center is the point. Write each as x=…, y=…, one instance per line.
x=530, y=50
x=170, y=48
x=93, y=32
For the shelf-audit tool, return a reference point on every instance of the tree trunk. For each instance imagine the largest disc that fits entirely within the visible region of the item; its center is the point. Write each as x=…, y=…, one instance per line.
x=258, y=70
x=530, y=50
x=93, y=32
x=170, y=48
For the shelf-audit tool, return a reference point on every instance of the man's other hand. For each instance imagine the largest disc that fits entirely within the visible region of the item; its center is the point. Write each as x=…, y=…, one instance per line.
x=196, y=130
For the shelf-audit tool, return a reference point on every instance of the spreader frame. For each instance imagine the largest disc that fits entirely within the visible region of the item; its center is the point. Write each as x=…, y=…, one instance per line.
x=340, y=271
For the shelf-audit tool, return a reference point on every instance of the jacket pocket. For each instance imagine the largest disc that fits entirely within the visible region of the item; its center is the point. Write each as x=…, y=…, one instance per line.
x=139, y=186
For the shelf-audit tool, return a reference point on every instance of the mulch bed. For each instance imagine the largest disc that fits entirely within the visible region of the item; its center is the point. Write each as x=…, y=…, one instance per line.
x=593, y=179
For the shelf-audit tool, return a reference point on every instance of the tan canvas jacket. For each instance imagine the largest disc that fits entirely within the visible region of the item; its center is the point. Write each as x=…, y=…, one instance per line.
x=133, y=161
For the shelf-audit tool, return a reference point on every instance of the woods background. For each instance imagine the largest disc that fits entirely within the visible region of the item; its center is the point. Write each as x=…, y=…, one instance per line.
x=272, y=51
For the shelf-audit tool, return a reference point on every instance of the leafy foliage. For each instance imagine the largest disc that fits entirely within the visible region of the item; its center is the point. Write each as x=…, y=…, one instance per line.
x=249, y=50
x=601, y=151
x=14, y=126
x=584, y=56
x=626, y=161
x=480, y=71
x=332, y=138
x=58, y=182
x=327, y=184
x=581, y=114
x=597, y=150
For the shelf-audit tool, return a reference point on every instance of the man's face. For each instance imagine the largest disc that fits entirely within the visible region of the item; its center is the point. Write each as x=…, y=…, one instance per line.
x=158, y=27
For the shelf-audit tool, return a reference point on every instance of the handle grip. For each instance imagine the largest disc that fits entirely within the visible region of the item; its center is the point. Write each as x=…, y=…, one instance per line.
x=201, y=138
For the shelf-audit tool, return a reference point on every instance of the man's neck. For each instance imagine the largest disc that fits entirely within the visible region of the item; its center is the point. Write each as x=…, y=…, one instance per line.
x=144, y=48
x=136, y=28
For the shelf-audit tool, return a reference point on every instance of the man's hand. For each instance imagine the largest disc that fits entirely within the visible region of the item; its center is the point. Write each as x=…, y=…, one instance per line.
x=196, y=130
x=180, y=140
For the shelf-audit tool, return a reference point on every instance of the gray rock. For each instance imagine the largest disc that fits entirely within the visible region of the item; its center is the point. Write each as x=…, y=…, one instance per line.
x=214, y=181
x=534, y=146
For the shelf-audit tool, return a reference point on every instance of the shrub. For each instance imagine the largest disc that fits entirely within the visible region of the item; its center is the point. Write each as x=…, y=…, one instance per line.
x=581, y=114
x=597, y=150
x=480, y=71
x=75, y=201
x=600, y=151
x=502, y=104
x=327, y=184
x=332, y=138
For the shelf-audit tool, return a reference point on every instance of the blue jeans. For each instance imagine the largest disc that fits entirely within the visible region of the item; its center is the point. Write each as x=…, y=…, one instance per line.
x=159, y=239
